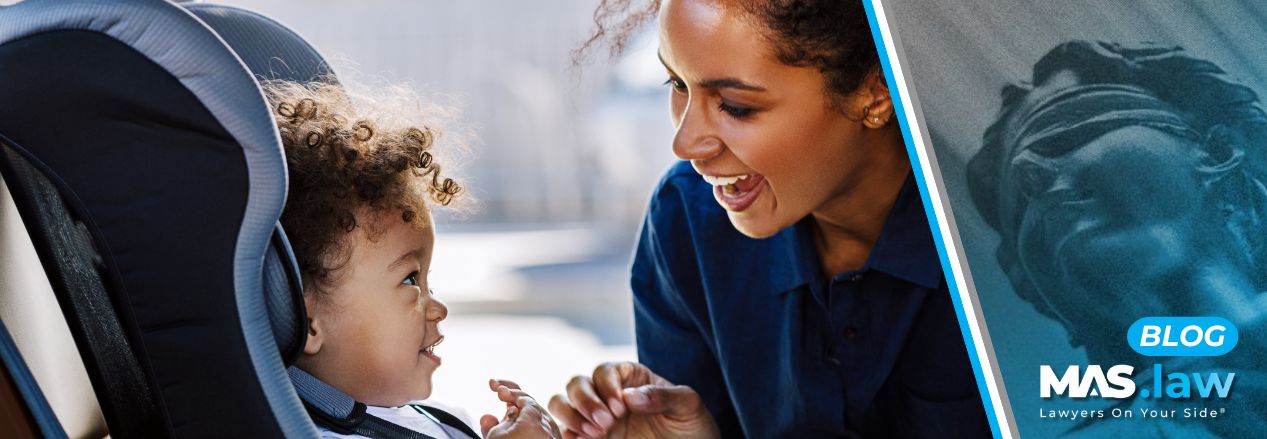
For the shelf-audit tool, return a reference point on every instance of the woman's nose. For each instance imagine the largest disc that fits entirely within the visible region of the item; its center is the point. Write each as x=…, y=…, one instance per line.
x=696, y=138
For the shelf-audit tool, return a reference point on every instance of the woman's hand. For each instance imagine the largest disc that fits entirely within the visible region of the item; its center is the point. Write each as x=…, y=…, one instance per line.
x=627, y=400
x=524, y=417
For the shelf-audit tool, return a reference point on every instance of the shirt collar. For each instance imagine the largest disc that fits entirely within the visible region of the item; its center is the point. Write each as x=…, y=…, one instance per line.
x=904, y=250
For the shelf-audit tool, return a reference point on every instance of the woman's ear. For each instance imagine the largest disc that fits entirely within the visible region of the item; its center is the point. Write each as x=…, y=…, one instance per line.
x=878, y=105
x=1222, y=152
x=316, y=332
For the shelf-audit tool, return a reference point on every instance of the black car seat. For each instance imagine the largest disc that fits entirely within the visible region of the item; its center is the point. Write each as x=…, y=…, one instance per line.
x=146, y=169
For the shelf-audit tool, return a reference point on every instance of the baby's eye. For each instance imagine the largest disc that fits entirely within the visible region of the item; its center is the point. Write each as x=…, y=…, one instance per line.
x=411, y=279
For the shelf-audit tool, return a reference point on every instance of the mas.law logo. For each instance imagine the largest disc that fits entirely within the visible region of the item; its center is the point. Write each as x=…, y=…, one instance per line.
x=1154, y=337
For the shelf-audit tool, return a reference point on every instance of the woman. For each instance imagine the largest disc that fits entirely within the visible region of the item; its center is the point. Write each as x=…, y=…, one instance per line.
x=786, y=283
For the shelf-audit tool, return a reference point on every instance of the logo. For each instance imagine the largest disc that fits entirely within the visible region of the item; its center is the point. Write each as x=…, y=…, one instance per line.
x=1154, y=337
x=1182, y=336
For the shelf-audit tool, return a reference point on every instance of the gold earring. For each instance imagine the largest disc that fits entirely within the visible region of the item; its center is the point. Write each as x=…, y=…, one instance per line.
x=866, y=114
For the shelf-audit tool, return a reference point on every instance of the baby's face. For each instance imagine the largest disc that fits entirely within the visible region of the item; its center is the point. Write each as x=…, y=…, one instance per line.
x=378, y=326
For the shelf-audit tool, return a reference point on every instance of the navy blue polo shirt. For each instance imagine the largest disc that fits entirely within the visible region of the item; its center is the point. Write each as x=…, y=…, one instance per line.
x=777, y=349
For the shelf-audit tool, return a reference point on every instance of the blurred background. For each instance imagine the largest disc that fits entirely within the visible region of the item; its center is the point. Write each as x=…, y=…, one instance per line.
x=536, y=279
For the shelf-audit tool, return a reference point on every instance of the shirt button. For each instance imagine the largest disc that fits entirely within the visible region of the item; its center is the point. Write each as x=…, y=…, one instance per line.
x=855, y=278
x=851, y=332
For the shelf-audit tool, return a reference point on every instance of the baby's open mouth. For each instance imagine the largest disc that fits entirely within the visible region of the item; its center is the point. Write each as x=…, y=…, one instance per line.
x=430, y=350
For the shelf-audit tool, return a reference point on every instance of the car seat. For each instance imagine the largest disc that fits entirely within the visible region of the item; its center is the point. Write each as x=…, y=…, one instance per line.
x=147, y=172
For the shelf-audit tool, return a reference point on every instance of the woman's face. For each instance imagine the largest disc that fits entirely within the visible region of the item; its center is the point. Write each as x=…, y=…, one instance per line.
x=763, y=133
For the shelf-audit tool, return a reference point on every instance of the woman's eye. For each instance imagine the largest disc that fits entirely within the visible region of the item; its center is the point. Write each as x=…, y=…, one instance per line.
x=676, y=84
x=736, y=112
x=411, y=279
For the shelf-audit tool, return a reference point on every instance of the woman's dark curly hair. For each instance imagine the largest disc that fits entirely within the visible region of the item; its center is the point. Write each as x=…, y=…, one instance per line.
x=832, y=36
x=350, y=152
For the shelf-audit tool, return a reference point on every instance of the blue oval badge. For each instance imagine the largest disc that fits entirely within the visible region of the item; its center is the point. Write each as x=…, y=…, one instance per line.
x=1182, y=336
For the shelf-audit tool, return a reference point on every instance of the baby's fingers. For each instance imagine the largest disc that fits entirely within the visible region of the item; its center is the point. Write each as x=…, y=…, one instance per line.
x=507, y=391
x=532, y=415
x=493, y=383
x=487, y=422
x=511, y=396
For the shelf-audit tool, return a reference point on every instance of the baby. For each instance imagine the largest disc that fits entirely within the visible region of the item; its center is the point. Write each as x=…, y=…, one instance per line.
x=362, y=182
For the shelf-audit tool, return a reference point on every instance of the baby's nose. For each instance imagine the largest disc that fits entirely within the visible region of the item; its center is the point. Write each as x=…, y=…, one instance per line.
x=436, y=310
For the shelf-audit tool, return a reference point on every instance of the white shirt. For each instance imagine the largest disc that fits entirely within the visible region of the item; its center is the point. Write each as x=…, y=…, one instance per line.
x=404, y=416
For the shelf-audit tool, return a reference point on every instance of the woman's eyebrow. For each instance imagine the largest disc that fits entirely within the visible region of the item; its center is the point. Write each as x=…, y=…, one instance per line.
x=716, y=83
x=729, y=83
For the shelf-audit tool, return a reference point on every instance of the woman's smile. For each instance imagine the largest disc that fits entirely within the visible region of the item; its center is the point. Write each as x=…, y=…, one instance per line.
x=737, y=192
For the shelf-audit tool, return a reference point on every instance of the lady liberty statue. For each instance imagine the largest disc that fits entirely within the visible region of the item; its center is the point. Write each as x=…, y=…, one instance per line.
x=1127, y=182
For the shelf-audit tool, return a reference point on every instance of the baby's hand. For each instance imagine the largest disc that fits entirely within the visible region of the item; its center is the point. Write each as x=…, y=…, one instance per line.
x=524, y=417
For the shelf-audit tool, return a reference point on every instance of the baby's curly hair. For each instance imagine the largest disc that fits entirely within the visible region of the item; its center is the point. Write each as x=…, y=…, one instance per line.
x=347, y=151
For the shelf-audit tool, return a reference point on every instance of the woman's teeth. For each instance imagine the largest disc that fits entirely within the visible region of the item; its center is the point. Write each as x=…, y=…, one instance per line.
x=729, y=185
x=725, y=181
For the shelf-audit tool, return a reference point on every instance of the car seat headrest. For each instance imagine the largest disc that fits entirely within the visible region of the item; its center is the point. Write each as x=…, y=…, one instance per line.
x=272, y=51
x=269, y=49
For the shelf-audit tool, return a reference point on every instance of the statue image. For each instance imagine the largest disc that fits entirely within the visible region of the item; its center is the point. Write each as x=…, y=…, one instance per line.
x=1128, y=182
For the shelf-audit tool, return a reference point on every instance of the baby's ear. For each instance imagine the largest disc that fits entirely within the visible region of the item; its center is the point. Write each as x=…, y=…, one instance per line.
x=315, y=330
